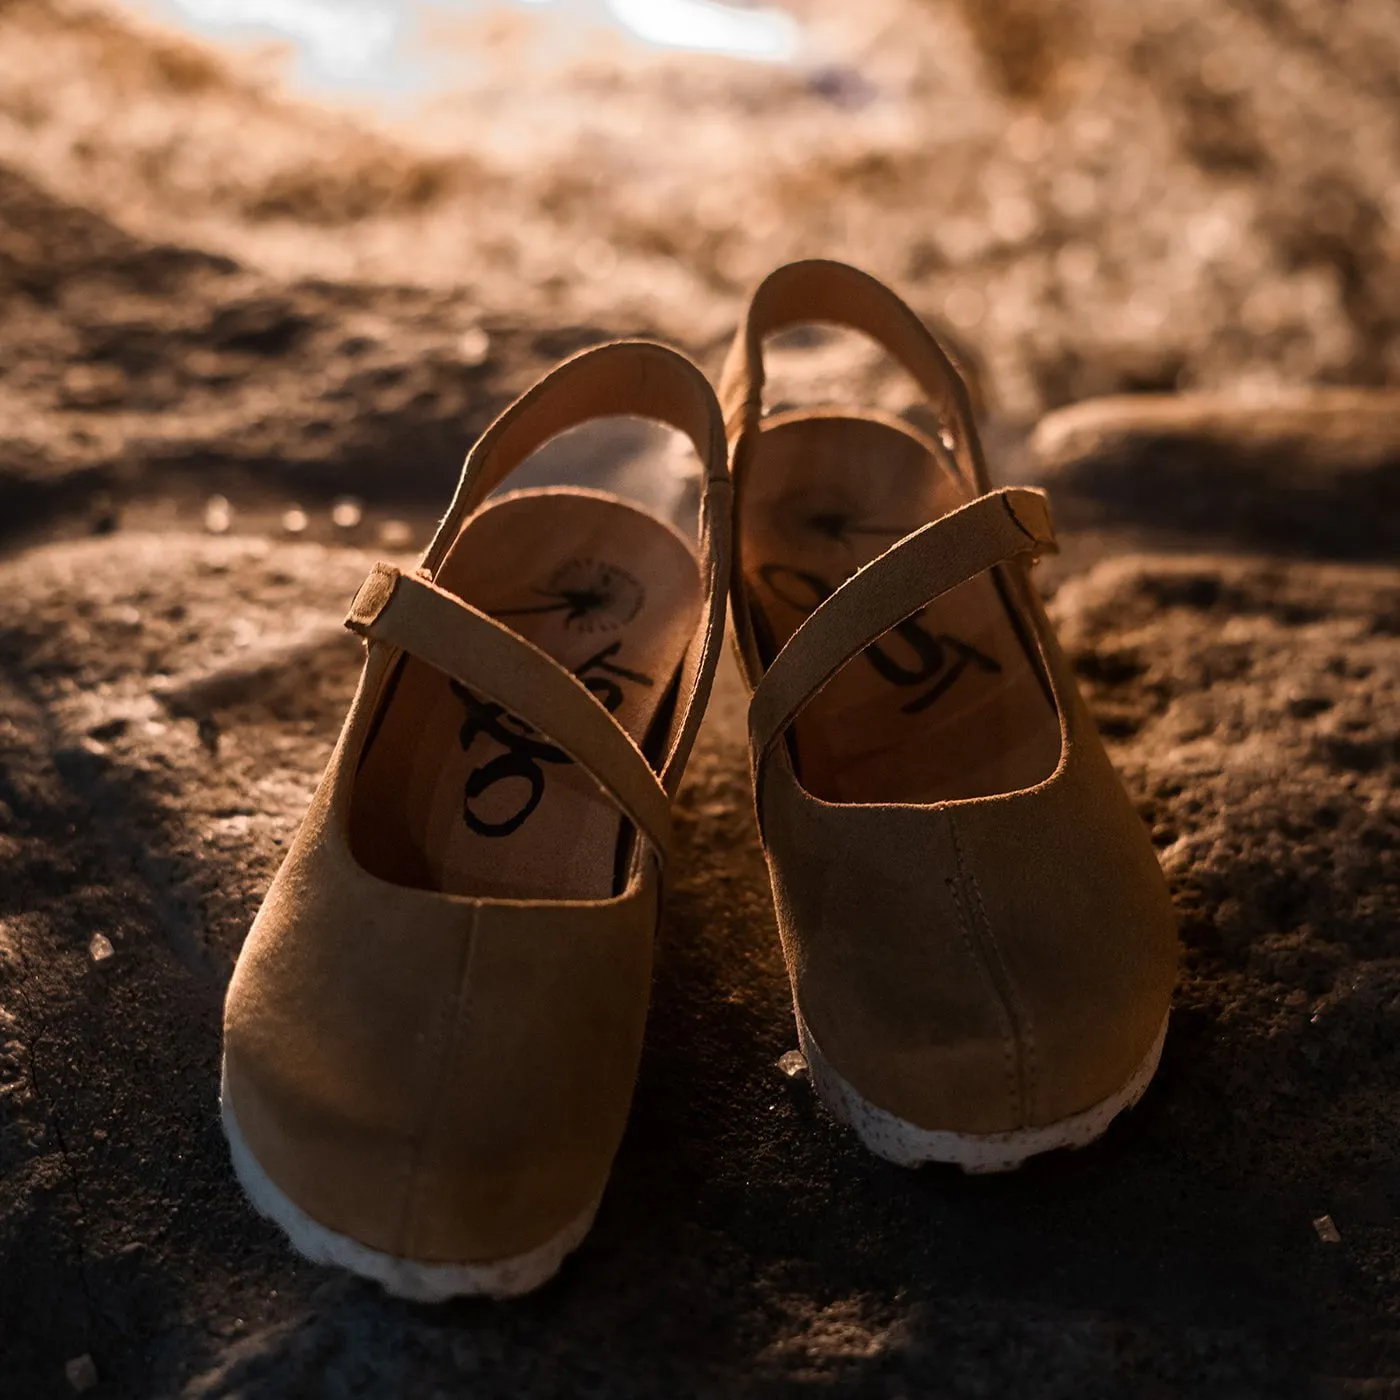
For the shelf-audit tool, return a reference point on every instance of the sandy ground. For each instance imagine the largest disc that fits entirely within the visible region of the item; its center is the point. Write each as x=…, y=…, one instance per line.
x=210, y=288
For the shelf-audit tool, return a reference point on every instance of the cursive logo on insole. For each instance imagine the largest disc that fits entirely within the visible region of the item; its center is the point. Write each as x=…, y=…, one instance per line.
x=587, y=595
x=938, y=658
x=523, y=750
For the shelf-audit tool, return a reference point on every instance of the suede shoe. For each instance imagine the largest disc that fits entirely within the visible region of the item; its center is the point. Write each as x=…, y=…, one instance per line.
x=980, y=942
x=432, y=1033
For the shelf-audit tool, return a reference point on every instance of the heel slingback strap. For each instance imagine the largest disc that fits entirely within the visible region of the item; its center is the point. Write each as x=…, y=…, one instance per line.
x=644, y=380
x=820, y=291
x=895, y=585
x=409, y=612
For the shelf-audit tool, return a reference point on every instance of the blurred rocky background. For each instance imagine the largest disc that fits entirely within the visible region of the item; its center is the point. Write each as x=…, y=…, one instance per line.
x=256, y=297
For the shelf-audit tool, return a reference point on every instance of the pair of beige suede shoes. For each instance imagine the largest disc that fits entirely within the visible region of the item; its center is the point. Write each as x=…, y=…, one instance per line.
x=432, y=1035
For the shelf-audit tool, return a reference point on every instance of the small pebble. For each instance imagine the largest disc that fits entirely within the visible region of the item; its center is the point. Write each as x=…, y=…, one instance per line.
x=395, y=534
x=1327, y=1230
x=474, y=347
x=100, y=948
x=346, y=513
x=842, y=86
x=81, y=1373
x=793, y=1063
x=103, y=515
x=294, y=521
x=218, y=515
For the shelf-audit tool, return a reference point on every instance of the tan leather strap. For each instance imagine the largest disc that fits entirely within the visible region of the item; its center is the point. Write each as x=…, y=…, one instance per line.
x=893, y=586
x=831, y=292
x=408, y=612
x=643, y=380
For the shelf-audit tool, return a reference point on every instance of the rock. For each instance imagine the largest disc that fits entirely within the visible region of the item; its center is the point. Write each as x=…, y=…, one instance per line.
x=746, y=1244
x=1314, y=473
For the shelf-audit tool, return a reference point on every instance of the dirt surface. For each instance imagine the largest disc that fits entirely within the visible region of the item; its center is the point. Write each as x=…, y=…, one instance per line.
x=211, y=290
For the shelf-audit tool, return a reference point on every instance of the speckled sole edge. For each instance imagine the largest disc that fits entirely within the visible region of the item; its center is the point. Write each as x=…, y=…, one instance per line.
x=404, y=1278
x=907, y=1145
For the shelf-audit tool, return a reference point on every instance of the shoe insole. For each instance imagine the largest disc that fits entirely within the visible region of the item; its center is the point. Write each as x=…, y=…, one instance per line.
x=454, y=793
x=947, y=705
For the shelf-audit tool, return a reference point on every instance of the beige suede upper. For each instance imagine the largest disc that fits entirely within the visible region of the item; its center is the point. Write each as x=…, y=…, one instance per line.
x=443, y=1078
x=980, y=965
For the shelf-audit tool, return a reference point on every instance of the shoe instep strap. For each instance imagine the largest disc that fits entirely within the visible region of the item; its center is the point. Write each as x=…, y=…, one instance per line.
x=408, y=612
x=891, y=587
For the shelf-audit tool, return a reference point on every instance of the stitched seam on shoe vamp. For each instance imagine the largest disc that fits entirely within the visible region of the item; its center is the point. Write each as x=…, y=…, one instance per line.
x=445, y=1037
x=1008, y=1044
x=981, y=955
x=1024, y=1030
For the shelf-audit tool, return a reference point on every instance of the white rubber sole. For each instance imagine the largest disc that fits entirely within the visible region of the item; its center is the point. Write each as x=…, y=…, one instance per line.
x=413, y=1279
x=907, y=1145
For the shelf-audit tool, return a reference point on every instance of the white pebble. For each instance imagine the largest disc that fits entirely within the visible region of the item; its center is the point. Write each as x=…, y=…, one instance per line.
x=396, y=534
x=474, y=347
x=346, y=513
x=81, y=1372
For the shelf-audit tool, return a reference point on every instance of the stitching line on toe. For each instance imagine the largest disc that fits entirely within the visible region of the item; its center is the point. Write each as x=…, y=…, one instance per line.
x=983, y=948
x=1025, y=1033
x=1008, y=1040
x=445, y=1041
